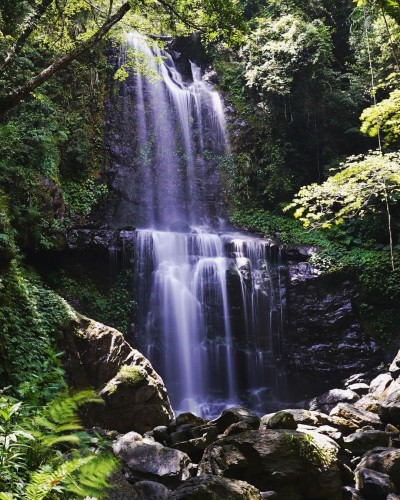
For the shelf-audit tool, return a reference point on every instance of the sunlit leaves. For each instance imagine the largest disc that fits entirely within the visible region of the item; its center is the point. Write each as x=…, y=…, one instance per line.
x=383, y=118
x=362, y=186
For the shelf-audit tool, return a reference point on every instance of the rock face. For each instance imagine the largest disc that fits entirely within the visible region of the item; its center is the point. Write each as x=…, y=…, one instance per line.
x=134, y=395
x=279, y=460
x=323, y=325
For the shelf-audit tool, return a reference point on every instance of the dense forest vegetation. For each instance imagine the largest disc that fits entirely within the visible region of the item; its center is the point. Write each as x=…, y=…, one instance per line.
x=312, y=91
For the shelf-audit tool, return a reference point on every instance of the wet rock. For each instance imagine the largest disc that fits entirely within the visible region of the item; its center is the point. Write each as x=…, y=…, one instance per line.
x=121, y=489
x=385, y=460
x=358, y=417
x=324, y=327
x=189, y=419
x=282, y=460
x=279, y=420
x=193, y=440
x=351, y=494
x=208, y=487
x=394, y=368
x=237, y=414
x=361, y=442
x=149, y=460
x=326, y=402
x=134, y=394
x=374, y=485
x=237, y=428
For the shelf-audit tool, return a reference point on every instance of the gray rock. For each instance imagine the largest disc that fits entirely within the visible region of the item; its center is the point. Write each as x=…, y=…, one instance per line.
x=389, y=410
x=394, y=368
x=392, y=496
x=149, y=460
x=357, y=378
x=369, y=402
x=237, y=414
x=279, y=420
x=385, y=460
x=134, y=394
x=326, y=402
x=305, y=417
x=193, y=439
x=374, y=485
x=285, y=461
x=208, y=487
x=359, y=418
x=237, y=428
x=359, y=388
x=380, y=383
x=361, y=442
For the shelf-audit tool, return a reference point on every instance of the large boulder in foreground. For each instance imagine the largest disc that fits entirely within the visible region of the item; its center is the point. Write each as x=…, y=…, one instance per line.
x=148, y=460
x=135, y=398
x=287, y=462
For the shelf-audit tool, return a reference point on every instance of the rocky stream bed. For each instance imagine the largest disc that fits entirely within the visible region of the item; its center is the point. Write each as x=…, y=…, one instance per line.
x=343, y=444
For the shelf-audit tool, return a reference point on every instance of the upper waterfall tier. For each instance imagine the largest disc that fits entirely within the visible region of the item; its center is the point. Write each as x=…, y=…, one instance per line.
x=170, y=150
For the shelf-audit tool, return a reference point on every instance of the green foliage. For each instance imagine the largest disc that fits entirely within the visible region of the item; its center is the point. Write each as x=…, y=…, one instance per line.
x=80, y=197
x=383, y=118
x=280, y=47
x=114, y=307
x=305, y=447
x=44, y=452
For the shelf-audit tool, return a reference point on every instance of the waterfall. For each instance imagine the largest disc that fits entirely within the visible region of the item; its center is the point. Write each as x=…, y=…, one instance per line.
x=209, y=304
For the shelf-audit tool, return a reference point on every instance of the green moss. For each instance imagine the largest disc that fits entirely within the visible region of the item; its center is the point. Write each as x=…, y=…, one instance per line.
x=131, y=375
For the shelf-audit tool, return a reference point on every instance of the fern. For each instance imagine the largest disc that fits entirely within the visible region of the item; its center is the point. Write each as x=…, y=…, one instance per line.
x=83, y=476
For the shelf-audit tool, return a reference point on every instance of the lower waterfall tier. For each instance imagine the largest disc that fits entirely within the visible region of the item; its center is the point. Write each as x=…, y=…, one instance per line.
x=211, y=312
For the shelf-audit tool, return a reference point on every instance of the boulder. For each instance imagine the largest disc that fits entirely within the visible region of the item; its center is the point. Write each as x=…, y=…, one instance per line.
x=305, y=417
x=380, y=383
x=237, y=428
x=121, y=489
x=279, y=420
x=389, y=410
x=144, y=490
x=288, y=462
x=374, y=485
x=208, y=487
x=359, y=418
x=193, y=439
x=188, y=419
x=134, y=395
x=149, y=460
x=359, y=388
x=369, y=402
x=385, y=460
x=361, y=442
x=326, y=402
x=236, y=414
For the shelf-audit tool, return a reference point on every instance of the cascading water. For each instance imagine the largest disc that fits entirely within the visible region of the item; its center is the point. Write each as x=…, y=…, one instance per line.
x=209, y=303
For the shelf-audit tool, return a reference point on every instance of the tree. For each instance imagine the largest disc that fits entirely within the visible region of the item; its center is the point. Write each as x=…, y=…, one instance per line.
x=364, y=184
x=48, y=35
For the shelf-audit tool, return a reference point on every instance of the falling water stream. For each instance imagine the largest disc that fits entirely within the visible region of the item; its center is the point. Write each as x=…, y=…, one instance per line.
x=209, y=300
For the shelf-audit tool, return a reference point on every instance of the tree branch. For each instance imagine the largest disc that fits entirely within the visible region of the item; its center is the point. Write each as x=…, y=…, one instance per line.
x=31, y=24
x=10, y=100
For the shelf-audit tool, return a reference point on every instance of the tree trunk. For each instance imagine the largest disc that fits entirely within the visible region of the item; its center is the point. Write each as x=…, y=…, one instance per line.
x=10, y=100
